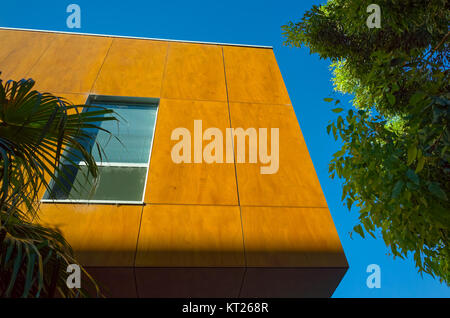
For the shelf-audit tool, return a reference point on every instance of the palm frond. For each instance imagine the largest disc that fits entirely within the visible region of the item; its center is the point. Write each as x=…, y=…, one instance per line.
x=34, y=260
x=35, y=128
x=38, y=133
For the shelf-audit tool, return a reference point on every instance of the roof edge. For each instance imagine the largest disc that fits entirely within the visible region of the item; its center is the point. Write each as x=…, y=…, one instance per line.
x=136, y=37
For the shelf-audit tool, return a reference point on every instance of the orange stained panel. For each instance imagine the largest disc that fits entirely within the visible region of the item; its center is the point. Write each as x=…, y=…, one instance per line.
x=132, y=68
x=195, y=72
x=190, y=236
x=291, y=237
x=253, y=76
x=295, y=183
x=101, y=235
x=20, y=51
x=189, y=183
x=76, y=99
x=71, y=63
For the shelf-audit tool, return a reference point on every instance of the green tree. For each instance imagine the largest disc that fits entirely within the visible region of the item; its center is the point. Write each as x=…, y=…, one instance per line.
x=394, y=161
x=37, y=133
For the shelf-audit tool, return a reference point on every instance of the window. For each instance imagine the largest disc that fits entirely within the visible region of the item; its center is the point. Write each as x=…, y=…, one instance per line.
x=123, y=164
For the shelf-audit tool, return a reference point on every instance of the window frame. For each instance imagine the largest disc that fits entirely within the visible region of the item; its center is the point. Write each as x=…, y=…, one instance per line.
x=114, y=100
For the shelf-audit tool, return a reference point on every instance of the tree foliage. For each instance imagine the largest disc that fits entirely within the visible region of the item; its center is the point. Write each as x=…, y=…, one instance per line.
x=395, y=155
x=37, y=132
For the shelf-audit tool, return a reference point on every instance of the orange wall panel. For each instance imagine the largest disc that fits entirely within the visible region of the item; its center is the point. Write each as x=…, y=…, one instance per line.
x=291, y=237
x=189, y=183
x=295, y=183
x=190, y=236
x=71, y=63
x=76, y=99
x=194, y=72
x=101, y=235
x=15, y=58
x=253, y=76
x=132, y=68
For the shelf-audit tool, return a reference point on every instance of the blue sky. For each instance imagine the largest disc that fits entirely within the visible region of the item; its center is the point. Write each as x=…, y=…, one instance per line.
x=307, y=79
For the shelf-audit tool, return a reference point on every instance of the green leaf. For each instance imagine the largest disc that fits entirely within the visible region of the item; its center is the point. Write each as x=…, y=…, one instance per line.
x=358, y=229
x=412, y=176
x=436, y=190
x=339, y=153
x=349, y=203
x=391, y=99
x=337, y=110
x=412, y=154
x=328, y=99
x=397, y=189
x=416, y=98
x=420, y=164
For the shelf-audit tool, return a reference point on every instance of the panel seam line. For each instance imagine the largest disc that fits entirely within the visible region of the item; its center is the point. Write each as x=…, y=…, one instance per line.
x=101, y=67
x=164, y=71
x=135, y=252
x=235, y=174
x=39, y=59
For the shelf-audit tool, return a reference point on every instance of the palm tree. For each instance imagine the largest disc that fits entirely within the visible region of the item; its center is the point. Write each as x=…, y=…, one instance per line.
x=38, y=131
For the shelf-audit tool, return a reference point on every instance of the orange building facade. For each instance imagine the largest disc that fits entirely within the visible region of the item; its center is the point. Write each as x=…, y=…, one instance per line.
x=201, y=229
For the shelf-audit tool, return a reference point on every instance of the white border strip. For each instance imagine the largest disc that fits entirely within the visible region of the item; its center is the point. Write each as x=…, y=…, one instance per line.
x=138, y=38
x=93, y=201
x=150, y=153
x=116, y=164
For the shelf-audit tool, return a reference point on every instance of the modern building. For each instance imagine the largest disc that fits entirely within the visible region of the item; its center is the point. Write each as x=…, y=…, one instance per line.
x=156, y=228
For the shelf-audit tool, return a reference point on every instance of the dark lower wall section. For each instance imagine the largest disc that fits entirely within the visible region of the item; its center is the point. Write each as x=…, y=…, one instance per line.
x=115, y=282
x=128, y=282
x=291, y=282
x=189, y=282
